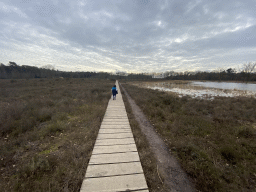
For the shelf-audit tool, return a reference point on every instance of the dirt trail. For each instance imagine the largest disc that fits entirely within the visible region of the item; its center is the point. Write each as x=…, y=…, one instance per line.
x=173, y=177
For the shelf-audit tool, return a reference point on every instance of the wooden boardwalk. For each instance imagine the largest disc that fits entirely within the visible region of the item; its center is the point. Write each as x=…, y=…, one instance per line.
x=115, y=163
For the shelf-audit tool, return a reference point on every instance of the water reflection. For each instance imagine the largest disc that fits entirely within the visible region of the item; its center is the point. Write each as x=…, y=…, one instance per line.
x=225, y=85
x=205, y=93
x=206, y=90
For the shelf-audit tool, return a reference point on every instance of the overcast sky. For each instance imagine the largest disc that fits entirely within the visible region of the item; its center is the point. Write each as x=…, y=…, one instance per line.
x=128, y=35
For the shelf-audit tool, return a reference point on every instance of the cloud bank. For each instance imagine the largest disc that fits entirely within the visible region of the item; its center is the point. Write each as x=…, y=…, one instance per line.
x=128, y=35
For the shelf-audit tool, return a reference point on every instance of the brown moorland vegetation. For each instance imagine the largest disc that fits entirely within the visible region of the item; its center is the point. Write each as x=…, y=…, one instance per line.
x=214, y=140
x=47, y=131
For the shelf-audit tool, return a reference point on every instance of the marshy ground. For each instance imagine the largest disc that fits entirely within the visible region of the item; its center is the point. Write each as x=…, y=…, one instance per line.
x=196, y=89
x=213, y=140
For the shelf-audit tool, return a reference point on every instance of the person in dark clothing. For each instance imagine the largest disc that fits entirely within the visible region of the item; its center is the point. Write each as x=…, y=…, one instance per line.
x=114, y=92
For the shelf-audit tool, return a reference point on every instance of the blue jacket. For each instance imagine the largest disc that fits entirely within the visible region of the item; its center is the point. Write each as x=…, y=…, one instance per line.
x=114, y=91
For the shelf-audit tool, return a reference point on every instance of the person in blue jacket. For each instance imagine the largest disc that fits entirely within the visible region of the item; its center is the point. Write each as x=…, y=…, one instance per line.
x=114, y=92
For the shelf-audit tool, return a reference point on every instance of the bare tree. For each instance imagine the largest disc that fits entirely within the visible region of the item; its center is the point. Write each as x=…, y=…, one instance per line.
x=51, y=67
x=249, y=67
x=219, y=70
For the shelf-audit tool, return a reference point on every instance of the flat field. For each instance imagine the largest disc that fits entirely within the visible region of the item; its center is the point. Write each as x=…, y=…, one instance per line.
x=47, y=131
x=214, y=140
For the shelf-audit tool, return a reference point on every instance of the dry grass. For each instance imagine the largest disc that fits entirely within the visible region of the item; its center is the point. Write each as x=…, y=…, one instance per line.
x=48, y=128
x=214, y=141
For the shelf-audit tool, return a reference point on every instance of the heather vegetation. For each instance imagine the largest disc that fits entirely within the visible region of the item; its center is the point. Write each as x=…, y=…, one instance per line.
x=214, y=140
x=48, y=128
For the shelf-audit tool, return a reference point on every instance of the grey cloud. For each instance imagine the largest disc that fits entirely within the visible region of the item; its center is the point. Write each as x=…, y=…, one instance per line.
x=131, y=34
x=239, y=39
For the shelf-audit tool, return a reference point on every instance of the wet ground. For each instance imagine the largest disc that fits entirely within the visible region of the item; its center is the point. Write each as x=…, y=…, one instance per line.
x=205, y=90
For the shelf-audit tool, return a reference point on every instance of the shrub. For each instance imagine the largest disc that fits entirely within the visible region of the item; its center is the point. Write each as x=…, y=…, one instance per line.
x=44, y=114
x=229, y=153
x=13, y=81
x=54, y=127
x=247, y=132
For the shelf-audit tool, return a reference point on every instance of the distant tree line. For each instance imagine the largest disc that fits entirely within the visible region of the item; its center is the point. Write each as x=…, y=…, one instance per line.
x=246, y=74
x=15, y=71
x=225, y=75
